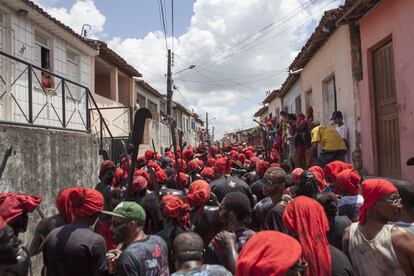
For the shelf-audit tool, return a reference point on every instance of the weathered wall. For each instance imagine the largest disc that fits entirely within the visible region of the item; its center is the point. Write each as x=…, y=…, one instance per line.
x=395, y=19
x=333, y=57
x=43, y=162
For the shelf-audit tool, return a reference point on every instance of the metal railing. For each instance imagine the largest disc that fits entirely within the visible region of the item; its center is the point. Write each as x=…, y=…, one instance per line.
x=33, y=96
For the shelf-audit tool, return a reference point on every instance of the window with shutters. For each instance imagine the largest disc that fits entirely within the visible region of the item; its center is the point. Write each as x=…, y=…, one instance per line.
x=42, y=59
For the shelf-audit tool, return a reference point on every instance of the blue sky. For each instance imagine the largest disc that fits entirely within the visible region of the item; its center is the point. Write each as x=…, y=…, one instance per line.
x=136, y=18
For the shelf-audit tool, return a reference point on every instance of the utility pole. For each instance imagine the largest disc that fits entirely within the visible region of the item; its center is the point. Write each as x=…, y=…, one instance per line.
x=169, y=84
x=212, y=135
x=208, y=133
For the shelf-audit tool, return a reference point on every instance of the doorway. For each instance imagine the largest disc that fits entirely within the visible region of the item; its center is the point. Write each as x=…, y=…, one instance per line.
x=386, y=112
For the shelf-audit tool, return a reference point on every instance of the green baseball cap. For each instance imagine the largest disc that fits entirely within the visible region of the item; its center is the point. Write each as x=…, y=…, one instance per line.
x=129, y=210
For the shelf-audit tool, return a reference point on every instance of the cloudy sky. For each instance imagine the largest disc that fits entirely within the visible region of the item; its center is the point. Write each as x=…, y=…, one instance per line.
x=241, y=49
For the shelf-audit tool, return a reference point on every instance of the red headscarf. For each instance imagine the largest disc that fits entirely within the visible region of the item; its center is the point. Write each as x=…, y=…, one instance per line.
x=199, y=193
x=268, y=253
x=296, y=174
x=332, y=169
x=183, y=180
x=149, y=155
x=223, y=165
x=188, y=154
x=249, y=154
x=119, y=175
x=347, y=183
x=233, y=154
x=182, y=164
x=170, y=155
x=255, y=160
x=174, y=207
x=211, y=162
x=213, y=150
x=106, y=165
x=306, y=217
x=85, y=202
x=192, y=165
x=320, y=177
x=14, y=205
x=161, y=175
x=207, y=172
x=241, y=157
x=139, y=183
x=372, y=191
x=200, y=163
x=62, y=203
x=142, y=173
x=261, y=167
x=2, y=223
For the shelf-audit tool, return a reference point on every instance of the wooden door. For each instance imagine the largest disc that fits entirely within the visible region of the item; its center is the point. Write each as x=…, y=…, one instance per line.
x=386, y=109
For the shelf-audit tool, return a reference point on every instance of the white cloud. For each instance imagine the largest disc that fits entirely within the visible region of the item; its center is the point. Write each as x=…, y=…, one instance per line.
x=229, y=82
x=82, y=12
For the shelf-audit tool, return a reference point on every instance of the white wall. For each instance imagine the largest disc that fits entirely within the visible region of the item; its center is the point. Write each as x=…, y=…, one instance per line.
x=289, y=99
x=19, y=34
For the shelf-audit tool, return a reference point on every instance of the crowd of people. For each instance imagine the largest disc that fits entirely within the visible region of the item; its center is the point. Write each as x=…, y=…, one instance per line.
x=303, y=142
x=223, y=210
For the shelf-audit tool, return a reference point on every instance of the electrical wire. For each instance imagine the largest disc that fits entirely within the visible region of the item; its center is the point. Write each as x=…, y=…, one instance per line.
x=162, y=19
x=172, y=24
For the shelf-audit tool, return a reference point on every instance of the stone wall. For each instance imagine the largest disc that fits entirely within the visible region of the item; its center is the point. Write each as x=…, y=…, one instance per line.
x=43, y=162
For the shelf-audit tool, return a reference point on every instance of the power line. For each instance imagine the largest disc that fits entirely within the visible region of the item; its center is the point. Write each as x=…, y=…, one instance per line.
x=172, y=24
x=225, y=54
x=265, y=30
x=162, y=19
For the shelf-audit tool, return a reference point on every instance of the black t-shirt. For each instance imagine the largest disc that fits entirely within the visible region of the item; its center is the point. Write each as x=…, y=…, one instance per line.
x=275, y=218
x=340, y=265
x=257, y=189
x=337, y=226
x=151, y=204
x=74, y=250
x=228, y=184
x=144, y=257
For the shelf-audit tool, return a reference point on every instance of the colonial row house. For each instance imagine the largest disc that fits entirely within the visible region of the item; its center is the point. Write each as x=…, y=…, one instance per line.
x=358, y=61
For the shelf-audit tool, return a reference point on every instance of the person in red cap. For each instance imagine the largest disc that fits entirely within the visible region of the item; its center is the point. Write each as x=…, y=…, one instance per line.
x=74, y=249
x=9, y=248
x=257, y=186
x=177, y=220
x=46, y=225
x=305, y=219
x=374, y=246
x=207, y=174
x=226, y=183
x=149, y=201
x=14, y=209
x=347, y=186
x=320, y=177
x=270, y=253
x=334, y=168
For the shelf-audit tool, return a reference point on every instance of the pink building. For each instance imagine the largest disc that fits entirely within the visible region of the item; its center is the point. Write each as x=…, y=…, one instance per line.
x=386, y=86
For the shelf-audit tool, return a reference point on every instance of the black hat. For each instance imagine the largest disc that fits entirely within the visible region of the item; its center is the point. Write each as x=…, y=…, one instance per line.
x=410, y=161
x=336, y=114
